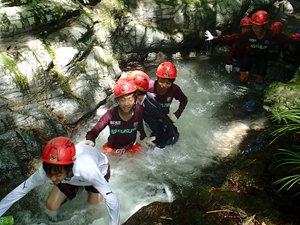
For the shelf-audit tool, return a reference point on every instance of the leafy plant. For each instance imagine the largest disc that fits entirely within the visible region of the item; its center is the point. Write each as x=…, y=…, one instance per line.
x=27, y=2
x=291, y=126
x=291, y=120
x=293, y=158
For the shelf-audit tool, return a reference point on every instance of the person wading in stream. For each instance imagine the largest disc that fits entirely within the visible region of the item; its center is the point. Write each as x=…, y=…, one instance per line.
x=68, y=167
x=236, y=54
x=164, y=90
x=291, y=53
x=275, y=49
x=161, y=125
x=123, y=120
x=259, y=39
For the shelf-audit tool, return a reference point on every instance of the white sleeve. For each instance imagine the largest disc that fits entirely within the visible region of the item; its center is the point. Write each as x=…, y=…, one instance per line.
x=111, y=200
x=33, y=181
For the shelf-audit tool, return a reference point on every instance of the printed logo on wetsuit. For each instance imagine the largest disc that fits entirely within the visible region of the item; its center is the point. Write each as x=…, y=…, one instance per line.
x=259, y=46
x=115, y=122
x=169, y=99
x=123, y=131
x=252, y=40
x=165, y=105
x=266, y=42
x=135, y=124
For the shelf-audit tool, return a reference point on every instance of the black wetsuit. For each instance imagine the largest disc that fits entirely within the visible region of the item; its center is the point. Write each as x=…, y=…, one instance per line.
x=159, y=122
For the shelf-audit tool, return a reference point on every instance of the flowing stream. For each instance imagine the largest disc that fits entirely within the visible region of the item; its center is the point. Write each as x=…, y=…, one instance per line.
x=220, y=113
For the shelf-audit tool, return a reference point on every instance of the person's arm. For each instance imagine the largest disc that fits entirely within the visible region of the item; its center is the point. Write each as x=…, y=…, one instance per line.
x=227, y=39
x=140, y=125
x=36, y=179
x=231, y=53
x=111, y=200
x=102, y=123
x=181, y=97
x=283, y=39
x=223, y=40
x=228, y=65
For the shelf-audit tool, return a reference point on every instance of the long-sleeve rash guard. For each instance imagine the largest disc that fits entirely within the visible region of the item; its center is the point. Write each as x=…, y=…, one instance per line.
x=165, y=100
x=89, y=168
x=159, y=122
x=259, y=47
x=236, y=52
x=122, y=133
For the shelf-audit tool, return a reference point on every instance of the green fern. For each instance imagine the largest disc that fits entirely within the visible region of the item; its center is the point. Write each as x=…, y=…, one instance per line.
x=290, y=125
x=27, y=2
x=292, y=158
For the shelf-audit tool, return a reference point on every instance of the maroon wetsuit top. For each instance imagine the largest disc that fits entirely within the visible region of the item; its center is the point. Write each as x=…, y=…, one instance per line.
x=165, y=100
x=236, y=52
x=228, y=39
x=122, y=134
x=261, y=47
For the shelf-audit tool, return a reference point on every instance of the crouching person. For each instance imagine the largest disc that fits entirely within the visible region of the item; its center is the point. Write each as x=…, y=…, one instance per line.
x=68, y=167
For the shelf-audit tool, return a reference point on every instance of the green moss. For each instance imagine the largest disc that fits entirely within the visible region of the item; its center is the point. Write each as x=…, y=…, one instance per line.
x=61, y=80
x=49, y=50
x=19, y=78
x=81, y=66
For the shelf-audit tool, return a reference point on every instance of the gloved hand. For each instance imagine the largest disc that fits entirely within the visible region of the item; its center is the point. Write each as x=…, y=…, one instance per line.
x=87, y=142
x=228, y=68
x=148, y=141
x=209, y=36
x=172, y=117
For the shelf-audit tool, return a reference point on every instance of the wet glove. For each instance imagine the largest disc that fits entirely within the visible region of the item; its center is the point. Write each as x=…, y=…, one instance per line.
x=228, y=68
x=148, y=141
x=209, y=36
x=87, y=142
x=172, y=117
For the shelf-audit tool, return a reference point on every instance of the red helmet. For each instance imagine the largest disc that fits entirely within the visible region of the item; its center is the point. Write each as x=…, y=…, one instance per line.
x=166, y=70
x=123, y=87
x=295, y=35
x=261, y=17
x=246, y=21
x=59, y=151
x=277, y=26
x=140, y=79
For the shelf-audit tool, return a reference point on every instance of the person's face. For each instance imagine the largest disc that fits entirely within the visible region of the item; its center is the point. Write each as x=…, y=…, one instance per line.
x=163, y=84
x=57, y=176
x=258, y=29
x=126, y=102
x=245, y=28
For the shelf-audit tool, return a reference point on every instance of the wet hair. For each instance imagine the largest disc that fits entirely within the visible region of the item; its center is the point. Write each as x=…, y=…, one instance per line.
x=57, y=168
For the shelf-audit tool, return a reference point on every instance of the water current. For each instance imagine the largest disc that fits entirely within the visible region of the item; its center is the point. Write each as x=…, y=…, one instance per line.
x=218, y=117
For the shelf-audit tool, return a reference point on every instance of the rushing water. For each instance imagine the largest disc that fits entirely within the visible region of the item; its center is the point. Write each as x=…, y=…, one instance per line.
x=219, y=114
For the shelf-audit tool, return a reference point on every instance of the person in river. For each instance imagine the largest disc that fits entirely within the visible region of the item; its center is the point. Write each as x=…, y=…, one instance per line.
x=123, y=120
x=291, y=52
x=275, y=49
x=160, y=124
x=68, y=167
x=259, y=39
x=164, y=90
x=236, y=54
